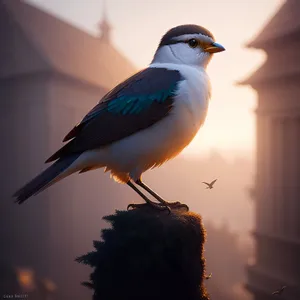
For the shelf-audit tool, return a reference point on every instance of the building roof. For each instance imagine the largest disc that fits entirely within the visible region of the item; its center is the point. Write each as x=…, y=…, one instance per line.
x=284, y=28
x=285, y=22
x=270, y=72
x=69, y=50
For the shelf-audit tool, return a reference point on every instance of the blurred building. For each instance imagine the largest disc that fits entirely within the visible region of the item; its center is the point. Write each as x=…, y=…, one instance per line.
x=51, y=75
x=277, y=186
x=226, y=255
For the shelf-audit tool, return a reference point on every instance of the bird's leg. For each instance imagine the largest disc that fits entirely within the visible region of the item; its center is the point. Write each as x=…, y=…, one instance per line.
x=159, y=198
x=148, y=201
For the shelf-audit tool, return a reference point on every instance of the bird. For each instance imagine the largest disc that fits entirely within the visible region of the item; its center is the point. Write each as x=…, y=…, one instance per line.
x=143, y=122
x=210, y=185
x=208, y=276
x=279, y=291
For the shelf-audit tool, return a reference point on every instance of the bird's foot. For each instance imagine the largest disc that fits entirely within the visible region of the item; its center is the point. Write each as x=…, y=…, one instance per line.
x=176, y=205
x=160, y=206
x=153, y=205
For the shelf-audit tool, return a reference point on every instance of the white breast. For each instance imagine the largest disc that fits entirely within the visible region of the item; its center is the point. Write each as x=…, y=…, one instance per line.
x=193, y=93
x=130, y=157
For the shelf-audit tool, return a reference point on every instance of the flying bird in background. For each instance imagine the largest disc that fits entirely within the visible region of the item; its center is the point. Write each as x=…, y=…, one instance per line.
x=208, y=276
x=144, y=121
x=210, y=185
x=279, y=292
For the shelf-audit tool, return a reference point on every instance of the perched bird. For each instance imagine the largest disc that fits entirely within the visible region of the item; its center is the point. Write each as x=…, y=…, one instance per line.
x=144, y=121
x=208, y=276
x=279, y=292
x=210, y=185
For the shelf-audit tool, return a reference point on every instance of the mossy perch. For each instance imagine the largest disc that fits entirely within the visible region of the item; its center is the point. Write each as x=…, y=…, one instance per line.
x=149, y=254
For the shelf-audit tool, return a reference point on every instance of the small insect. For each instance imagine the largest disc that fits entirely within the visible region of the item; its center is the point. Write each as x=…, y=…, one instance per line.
x=208, y=276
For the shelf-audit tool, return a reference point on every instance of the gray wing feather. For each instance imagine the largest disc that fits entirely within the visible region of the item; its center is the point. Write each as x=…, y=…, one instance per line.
x=43, y=180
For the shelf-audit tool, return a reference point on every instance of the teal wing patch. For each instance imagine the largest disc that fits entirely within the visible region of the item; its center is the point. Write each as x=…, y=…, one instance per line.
x=135, y=104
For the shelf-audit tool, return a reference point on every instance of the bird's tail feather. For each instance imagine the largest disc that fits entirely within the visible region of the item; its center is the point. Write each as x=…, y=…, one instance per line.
x=44, y=180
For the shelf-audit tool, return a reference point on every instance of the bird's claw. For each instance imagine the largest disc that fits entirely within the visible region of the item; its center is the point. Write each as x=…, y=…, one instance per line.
x=160, y=206
x=185, y=206
x=131, y=205
x=157, y=206
x=177, y=205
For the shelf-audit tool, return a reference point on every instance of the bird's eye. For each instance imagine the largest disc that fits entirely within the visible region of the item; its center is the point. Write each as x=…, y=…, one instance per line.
x=193, y=43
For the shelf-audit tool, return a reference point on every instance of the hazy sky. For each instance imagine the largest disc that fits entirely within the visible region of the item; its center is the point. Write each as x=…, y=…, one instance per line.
x=138, y=26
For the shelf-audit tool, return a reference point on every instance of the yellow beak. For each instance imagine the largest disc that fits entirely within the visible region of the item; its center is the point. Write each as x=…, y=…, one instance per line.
x=214, y=48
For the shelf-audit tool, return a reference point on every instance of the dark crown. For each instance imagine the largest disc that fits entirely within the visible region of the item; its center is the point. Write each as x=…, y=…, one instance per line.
x=181, y=30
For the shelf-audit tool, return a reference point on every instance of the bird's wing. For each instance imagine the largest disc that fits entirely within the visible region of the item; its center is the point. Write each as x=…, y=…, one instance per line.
x=135, y=104
x=212, y=183
x=205, y=182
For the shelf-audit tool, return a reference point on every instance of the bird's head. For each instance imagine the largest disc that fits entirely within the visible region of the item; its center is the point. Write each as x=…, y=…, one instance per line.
x=187, y=44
